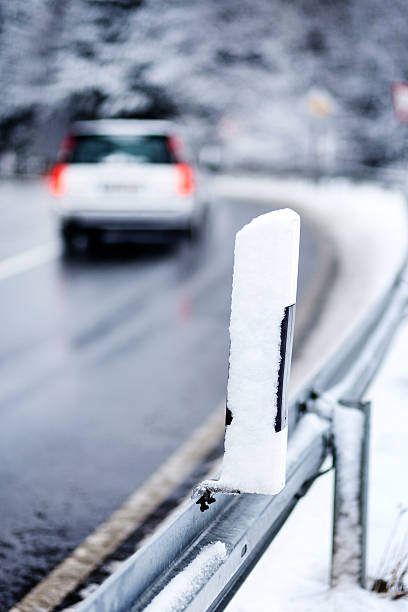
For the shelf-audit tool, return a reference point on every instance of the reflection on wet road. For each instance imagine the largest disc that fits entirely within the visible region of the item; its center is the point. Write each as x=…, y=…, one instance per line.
x=107, y=364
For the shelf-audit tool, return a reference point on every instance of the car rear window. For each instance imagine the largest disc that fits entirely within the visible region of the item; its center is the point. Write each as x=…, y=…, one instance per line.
x=144, y=149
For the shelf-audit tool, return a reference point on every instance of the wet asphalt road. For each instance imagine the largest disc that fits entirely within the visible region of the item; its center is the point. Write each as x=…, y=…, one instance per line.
x=107, y=364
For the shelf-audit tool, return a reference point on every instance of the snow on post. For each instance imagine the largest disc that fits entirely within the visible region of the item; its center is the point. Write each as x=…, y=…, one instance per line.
x=262, y=317
x=351, y=424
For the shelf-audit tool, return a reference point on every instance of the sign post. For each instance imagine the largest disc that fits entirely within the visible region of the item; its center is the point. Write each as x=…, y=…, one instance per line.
x=320, y=107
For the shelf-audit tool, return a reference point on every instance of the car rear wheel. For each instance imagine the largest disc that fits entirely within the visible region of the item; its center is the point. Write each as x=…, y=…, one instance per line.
x=67, y=234
x=77, y=239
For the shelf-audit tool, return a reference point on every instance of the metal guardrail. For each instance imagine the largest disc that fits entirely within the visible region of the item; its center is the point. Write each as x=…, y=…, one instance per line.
x=246, y=524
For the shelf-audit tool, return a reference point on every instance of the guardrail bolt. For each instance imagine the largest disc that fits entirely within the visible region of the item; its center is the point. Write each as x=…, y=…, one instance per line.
x=206, y=499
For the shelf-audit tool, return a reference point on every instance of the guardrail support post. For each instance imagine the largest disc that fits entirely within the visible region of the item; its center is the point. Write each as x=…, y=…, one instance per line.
x=350, y=450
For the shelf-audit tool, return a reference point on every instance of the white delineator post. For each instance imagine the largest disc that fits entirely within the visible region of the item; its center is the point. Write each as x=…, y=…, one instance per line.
x=262, y=311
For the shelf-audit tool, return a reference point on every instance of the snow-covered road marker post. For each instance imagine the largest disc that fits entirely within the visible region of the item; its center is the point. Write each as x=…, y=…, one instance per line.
x=261, y=334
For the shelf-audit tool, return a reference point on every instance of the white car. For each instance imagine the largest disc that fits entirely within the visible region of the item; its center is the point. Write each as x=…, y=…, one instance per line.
x=121, y=176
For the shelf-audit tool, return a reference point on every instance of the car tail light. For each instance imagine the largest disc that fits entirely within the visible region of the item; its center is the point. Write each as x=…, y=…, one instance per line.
x=185, y=179
x=57, y=183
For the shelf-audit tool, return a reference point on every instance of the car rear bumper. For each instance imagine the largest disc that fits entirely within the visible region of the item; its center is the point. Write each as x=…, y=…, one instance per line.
x=128, y=221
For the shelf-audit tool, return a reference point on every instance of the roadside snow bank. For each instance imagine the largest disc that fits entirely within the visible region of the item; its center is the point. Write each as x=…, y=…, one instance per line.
x=367, y=225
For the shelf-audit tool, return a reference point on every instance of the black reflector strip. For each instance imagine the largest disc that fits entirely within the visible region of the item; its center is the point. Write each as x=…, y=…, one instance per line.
x=287, y=327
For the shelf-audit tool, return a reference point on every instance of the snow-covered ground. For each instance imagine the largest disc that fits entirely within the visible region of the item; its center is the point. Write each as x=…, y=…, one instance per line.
x=293, y=574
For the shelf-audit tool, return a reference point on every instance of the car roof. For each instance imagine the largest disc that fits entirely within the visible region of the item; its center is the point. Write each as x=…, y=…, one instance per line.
x=121, y=127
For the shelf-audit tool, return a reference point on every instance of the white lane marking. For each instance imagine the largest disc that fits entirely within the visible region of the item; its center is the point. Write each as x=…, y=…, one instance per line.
x=27, y=260
x=123, y=522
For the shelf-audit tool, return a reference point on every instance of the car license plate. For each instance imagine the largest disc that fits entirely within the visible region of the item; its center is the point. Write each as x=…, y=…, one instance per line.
x=120, y=188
